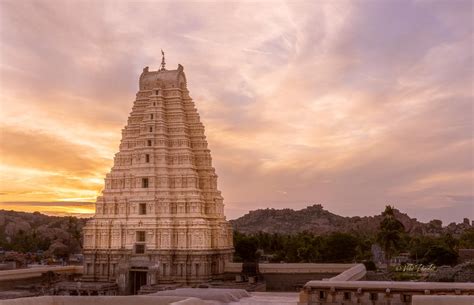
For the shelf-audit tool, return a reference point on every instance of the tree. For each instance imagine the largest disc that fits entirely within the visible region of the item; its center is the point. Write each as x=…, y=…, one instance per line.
x=245, y=247
x=467, y=239
x=419, y=246
x=440, y=255
x=340, y=248
x=390, y=233
x=364, y=248
x=59, y=250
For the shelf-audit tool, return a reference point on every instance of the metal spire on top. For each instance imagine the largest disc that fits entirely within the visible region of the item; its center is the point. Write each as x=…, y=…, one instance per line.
x=162, y=60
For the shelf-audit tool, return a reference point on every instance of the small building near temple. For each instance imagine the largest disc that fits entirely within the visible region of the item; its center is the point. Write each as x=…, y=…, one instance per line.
x=160, y=218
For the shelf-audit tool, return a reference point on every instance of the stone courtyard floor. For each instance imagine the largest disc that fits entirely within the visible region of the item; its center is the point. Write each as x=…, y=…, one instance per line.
x=267, y=298
x=178, y=296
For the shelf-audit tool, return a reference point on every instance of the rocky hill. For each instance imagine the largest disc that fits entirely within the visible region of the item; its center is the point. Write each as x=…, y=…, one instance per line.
x=318, y=220
x=32, y=232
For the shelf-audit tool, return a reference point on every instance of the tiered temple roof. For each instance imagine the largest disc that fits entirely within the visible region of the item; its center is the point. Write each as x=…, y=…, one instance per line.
x=161, y=193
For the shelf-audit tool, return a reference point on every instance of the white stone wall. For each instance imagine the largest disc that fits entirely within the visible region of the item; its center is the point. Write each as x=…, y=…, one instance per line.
x=380, y=292
x=163, y=142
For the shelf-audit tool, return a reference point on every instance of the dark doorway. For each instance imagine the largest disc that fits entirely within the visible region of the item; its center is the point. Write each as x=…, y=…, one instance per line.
x=137, y=280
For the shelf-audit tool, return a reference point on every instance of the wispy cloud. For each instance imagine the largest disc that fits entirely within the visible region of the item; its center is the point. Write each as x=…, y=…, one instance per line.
x=350, y=104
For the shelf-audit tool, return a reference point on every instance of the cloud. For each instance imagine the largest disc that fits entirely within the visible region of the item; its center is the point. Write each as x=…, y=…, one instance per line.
x=350, y=104
x=34, y=149
x=60, y=208
x=41, y=166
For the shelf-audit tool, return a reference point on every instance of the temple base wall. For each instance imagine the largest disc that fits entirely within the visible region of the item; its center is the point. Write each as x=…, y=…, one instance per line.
x=131, y=271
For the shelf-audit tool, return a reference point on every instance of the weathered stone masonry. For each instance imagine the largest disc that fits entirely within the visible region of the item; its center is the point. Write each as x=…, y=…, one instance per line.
x=160, y=212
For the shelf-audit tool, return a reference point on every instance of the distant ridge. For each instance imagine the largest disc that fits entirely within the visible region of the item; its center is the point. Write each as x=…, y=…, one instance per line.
x=29, y=232
x=313, y=218
x=320, y=221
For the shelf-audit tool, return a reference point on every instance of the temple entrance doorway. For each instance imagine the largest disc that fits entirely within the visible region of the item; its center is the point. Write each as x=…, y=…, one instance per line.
x=137, y=279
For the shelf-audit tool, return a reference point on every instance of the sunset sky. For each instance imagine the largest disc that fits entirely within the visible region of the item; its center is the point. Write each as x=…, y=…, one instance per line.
x=349, y=104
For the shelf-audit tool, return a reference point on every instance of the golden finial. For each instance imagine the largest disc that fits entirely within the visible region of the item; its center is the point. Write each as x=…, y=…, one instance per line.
x=162, y=60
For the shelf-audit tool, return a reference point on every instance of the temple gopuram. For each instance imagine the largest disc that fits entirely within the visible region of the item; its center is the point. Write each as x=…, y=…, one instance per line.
x=160, y=217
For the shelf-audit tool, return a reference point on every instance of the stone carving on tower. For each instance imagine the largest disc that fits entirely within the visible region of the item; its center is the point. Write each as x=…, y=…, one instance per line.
x=160, y=217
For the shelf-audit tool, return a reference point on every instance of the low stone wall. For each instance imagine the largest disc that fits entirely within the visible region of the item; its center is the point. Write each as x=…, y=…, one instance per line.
x=232, y=267
x=16, y=274
x=291, y=282
x=9, y=279
x=378, y=292
x=11, y=284
x=292, y=268
x=290, y=277
x=346, y=288
x=443, y=300
x=354, y=273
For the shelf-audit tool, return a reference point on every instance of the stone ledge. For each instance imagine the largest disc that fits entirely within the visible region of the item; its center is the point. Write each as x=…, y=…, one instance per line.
x=7, y=275
x=292, y=268
x=393, y=286
x=443, y=300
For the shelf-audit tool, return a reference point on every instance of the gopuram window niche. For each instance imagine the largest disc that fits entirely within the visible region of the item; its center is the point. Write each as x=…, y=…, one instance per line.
x=142, y=209
x=144, y=182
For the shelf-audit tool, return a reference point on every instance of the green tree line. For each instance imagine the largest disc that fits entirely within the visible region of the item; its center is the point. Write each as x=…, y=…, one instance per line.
x=339, y=247
x=60, y=237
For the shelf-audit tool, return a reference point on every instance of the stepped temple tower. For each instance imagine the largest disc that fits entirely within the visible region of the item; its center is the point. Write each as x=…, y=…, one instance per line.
x=160, y=218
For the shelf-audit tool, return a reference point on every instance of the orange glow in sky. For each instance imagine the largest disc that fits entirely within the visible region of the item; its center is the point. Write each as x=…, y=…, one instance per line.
x=350, y=104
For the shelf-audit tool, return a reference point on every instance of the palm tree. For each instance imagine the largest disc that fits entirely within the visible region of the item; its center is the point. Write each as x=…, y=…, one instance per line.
x=390, y=233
